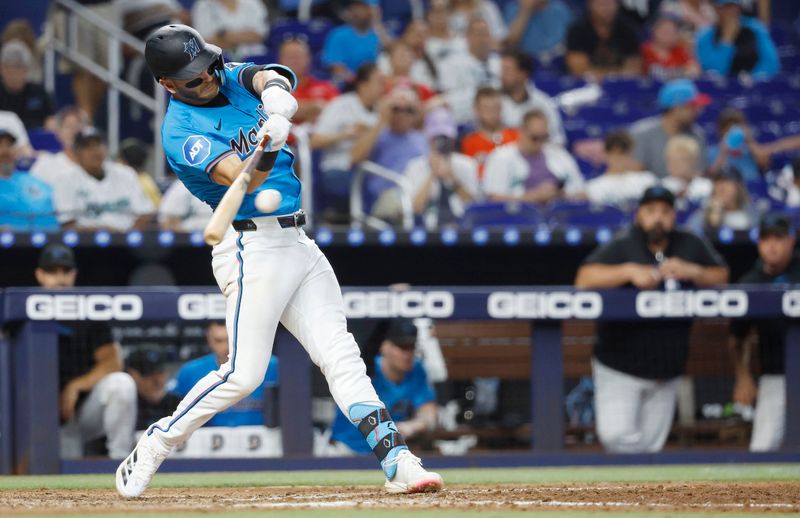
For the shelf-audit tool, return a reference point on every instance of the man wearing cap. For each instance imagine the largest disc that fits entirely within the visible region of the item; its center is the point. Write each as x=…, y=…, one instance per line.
x=636, y=365
x=17, y=94
x=96, y=399
x=443, y=182
x=777, y=264
x=26, y=203
x=737, y=44
x=103, y=194
x=680, y=103
x=402, y=384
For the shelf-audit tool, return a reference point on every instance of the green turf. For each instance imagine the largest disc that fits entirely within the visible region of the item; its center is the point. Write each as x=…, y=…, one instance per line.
x=723, y=472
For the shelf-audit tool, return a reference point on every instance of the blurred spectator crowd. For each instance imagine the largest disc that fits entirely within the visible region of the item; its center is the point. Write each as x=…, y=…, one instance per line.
x=542, y=111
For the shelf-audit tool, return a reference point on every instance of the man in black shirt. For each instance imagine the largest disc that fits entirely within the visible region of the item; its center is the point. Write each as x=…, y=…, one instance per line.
x=96, y=398
x=147, y=367
x=603, y=42
x=28, y=100
x=777, y=264
x=636, y=365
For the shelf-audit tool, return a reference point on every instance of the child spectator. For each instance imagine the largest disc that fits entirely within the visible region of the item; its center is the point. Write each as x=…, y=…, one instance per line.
x=728, y=206
x=737, y=148
x=664, y=56
x=490, y=132
x=623, y=182
x=683, y=170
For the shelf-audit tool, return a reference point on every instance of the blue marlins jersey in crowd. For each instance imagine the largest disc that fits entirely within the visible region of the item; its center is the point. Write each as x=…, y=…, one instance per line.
x=26, y=203
x=401, y=399
x=248, y=411
x=197, y=138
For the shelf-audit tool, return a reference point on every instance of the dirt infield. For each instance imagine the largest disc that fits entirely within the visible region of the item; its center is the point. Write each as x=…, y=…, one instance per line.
x=764, y=497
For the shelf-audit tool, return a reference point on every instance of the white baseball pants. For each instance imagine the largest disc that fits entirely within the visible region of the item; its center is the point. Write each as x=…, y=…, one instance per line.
x=769, y=423
x=634, y=415
x=271, y=275
x=110, y=411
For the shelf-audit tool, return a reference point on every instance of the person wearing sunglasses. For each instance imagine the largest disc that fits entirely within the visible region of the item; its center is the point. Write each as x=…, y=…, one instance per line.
x=269, y=270
x=532, y=170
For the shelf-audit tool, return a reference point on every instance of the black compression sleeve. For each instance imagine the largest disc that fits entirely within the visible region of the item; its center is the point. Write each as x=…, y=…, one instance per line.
x=267, y=161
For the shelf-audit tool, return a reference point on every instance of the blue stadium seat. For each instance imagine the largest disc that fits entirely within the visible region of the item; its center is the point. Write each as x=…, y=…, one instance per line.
x=314, y=32
x=44, y=140
x=584, y=214
x=501, y=214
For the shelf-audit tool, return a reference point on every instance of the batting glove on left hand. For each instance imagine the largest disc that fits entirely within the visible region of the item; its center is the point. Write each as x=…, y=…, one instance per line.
x=278, y=101
x=277, y=129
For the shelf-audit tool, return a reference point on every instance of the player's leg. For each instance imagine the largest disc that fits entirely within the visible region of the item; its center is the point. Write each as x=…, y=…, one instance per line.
x=315, y=316
x=769, y=422
x=110, y=411
x=617, y=400
x=258, y=275
x=658, y=411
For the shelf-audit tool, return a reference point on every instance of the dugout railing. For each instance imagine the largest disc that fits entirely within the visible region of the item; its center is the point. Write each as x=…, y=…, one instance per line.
x=29, y=427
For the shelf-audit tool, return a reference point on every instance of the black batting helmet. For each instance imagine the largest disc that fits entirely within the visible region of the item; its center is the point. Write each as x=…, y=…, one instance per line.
x=179, y=52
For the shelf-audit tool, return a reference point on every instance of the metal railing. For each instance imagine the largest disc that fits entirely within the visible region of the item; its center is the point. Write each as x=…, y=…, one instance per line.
x=110, y=73
x=357, y=215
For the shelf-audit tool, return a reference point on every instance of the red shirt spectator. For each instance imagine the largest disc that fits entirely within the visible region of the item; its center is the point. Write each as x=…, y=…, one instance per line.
x=664, y=56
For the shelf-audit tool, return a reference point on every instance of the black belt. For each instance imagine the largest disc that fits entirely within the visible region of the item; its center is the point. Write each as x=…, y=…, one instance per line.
x=296, y=220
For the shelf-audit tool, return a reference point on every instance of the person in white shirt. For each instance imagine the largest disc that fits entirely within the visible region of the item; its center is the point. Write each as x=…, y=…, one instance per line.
x=532, y=170
x=683, y=171
x=103, y=194
x=461, y=75
x=180, y=211
x=443, y=183
x=343, y=131
x=623, y=182
x=237, y=26
x=520, y=95
x=463, y=11
x=54, y=167
x=442, y=42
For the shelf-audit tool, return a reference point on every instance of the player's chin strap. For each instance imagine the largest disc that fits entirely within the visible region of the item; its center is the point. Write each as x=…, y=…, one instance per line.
x=377, y=427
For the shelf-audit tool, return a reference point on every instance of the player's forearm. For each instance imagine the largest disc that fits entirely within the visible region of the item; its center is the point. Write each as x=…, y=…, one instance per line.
x=262, y=77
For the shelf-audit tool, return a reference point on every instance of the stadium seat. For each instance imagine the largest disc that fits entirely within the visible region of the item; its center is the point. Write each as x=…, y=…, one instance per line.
x=314, y=32
x=44, y=140
x=501, y=214
x=584, y=214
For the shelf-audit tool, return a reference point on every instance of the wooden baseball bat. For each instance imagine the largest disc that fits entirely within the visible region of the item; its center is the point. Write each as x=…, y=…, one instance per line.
x=230, y=203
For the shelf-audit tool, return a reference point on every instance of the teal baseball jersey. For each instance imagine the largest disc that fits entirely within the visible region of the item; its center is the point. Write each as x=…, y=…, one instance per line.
x=197, y=138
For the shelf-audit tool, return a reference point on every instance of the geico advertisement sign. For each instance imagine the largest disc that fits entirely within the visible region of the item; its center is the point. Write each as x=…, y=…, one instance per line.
x=701, y=303
x=555, y=304
x=201, y=306
x=406, y=304
x=83, y=307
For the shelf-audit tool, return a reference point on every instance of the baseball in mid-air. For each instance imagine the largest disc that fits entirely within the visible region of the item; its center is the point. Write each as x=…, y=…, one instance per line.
x=268, y=200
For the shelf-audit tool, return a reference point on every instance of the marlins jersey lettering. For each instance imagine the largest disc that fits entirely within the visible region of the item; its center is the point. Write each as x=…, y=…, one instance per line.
x=197, y=138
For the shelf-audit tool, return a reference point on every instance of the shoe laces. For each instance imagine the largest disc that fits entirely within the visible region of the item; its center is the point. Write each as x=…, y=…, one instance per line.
x=404, y=454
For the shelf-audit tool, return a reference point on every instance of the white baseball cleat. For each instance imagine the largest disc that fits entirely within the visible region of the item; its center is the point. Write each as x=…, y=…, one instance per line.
x=136, y=471
x=411, y=477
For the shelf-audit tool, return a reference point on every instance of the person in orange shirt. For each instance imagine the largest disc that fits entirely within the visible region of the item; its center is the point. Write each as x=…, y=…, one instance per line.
x=490, y=132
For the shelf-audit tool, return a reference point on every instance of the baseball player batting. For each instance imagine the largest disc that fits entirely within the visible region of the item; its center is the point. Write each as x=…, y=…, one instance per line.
x=265, y=265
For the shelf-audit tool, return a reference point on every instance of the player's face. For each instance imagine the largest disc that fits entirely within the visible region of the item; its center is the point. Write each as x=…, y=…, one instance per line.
x=199, y=90
x=489, y=112
x=656, y=219
x=776, y=251
x=217, y=338
x=398, y=357
x=56, y=278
